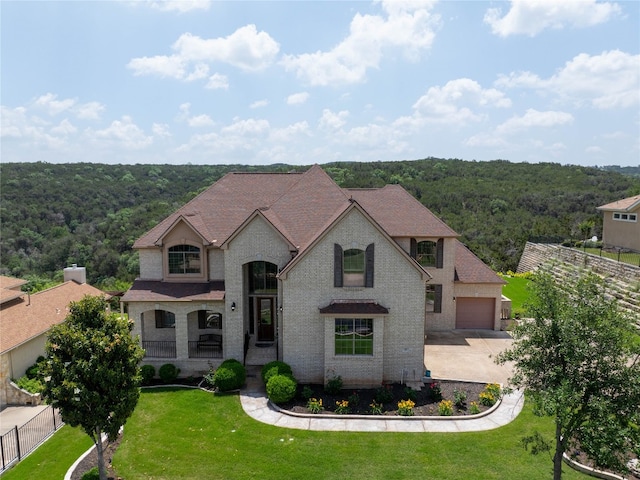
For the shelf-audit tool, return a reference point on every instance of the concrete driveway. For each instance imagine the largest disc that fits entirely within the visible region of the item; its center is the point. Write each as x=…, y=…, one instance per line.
x=467, y=355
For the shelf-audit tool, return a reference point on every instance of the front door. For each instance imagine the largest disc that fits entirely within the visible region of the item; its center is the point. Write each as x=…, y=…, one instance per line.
x=265, y=319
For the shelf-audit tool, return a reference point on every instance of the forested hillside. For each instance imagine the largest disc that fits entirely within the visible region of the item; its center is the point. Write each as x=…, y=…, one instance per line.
x=53, y=215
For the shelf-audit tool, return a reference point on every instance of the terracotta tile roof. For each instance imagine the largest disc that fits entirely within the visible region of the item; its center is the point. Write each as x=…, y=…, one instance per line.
x=626, y=204
x=354, y=307
x=299, y=205
x=157, y=291
x=32, y=316
x=470, y=269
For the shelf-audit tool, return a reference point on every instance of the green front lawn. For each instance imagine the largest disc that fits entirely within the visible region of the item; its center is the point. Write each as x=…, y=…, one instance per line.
x=52, y=459
x=194, y=434
x=516, y=290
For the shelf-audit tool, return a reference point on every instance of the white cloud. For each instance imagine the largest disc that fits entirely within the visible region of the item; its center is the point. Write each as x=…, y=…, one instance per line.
x=217, y=82
x=408, y=26
x=331, y=120
x=13, y=121
x=259, y=103
x=64, y=128
x=451, y=103
x=180, y=6
x=89, y=111
x=161, y=130
x=594, y=150
x=608, y=80
x=200, y=121
x=51, y=105
x=122, y=132
x=297, y=98
x=246, y=49
x=530, y=17
x=249, y=127
x=289, y=133
x=534, y=118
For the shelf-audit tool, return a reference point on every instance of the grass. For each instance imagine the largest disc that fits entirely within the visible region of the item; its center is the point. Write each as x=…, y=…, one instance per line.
x=52, y=459
x=631, y=258
x=516, y=290
x=194, y=434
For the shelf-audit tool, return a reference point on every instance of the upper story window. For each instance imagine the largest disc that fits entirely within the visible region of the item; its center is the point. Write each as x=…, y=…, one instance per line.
x=184, y=259
x=353, y=267
x=625, y=217
x=428, y=253
x=262, y=277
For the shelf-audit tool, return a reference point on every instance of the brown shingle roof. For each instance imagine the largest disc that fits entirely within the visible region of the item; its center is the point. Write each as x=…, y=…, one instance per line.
x=32, y=316
x=298, y=205
x=626, y=204
x=470, y=269
x=156, y=291
x=354, y=307
x=400, y=214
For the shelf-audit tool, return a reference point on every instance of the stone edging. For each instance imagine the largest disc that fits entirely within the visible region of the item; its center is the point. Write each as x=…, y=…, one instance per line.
x=590, y=471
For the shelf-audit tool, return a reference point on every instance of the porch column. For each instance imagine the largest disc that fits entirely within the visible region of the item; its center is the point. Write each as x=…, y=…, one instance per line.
x=182, y=336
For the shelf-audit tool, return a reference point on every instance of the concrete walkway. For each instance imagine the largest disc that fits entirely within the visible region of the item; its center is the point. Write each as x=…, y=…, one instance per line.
x=255, y=404
x=11, y=417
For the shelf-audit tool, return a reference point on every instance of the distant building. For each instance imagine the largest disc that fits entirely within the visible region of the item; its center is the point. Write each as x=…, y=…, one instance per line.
x=332, y=281
x=620, y=225
x=25, y=321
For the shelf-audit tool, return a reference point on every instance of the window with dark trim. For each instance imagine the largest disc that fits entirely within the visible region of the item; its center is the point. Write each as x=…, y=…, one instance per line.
x=433, y=298
x=165, y=319
x=354, y=336
x=625, y=217
x=353, y=267
x=262, y=277
x=208, y=319
x=428, y=253
x=184, y=259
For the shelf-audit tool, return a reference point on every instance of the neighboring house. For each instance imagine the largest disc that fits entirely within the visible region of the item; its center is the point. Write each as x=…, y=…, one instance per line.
x=340, y=281
x=620, y=226
x=24, y=323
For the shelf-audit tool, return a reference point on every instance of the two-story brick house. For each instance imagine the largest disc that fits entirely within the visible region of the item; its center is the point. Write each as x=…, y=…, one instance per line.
x=332, y=281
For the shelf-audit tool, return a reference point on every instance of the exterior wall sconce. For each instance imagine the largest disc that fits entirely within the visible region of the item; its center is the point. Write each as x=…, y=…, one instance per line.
x=233, y=306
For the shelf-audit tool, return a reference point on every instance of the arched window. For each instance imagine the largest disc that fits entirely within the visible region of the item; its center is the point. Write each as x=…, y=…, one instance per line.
x=353, y=267
x=184, y=259
x=262, y=277
x=428, y=253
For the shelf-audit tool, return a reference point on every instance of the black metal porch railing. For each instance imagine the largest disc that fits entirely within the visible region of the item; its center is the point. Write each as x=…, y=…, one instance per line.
x=20, y=441
x=197, y=350
x=159, y=349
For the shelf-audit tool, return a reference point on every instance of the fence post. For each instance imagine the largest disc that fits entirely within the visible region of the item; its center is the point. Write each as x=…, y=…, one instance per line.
x=18, y=442
x=2, y=450
x=53, y=413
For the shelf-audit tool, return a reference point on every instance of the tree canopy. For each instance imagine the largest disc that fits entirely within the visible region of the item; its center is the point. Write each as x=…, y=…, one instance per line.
x=578, y=359
x=91, y=372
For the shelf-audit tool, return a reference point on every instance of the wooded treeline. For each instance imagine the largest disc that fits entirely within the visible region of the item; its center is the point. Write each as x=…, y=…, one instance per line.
x=54, y=215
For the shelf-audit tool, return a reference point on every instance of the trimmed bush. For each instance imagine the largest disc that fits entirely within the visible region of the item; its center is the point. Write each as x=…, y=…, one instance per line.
x=281, y=388
x=275, y=368
x=147, y=372
x=230, y=375
x=334, y=385
x=92, y=474
x=168, y=372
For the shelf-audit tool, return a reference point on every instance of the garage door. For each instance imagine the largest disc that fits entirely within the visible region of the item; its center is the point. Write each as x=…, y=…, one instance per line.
x=472, y=312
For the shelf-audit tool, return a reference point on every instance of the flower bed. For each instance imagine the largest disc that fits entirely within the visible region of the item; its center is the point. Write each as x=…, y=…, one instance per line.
x=461, y=398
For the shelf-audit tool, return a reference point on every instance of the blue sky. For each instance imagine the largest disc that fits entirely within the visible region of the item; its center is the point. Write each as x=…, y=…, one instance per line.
x=218, y=82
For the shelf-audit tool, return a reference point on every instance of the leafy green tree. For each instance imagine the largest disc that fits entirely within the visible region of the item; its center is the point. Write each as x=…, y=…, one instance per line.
x=578, y=358
x=92, y=372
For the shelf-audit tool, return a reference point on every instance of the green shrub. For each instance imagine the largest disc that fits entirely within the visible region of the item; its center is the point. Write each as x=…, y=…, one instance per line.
x=275, y=368
x=147, y=372
x=281, y=388
x=92, y=474
x=230, y=375
x=31, y=385
x=334, y=385
x=168, y=372
x=460, y=398
x=445, y=408
x=34, y=370
x=384, y=394
x=307, y=392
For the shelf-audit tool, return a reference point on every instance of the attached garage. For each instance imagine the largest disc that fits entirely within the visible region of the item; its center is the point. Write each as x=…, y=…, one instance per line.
x=474, y=312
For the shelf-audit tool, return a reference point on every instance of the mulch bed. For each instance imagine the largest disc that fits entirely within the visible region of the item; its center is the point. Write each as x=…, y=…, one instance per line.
x=91, y=461
x=426, y=403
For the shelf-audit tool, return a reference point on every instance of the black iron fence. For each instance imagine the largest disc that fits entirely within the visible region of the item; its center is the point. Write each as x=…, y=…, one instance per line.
x=159, y=349
x=20, y=441
x=198, y=350
x=621, y=255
